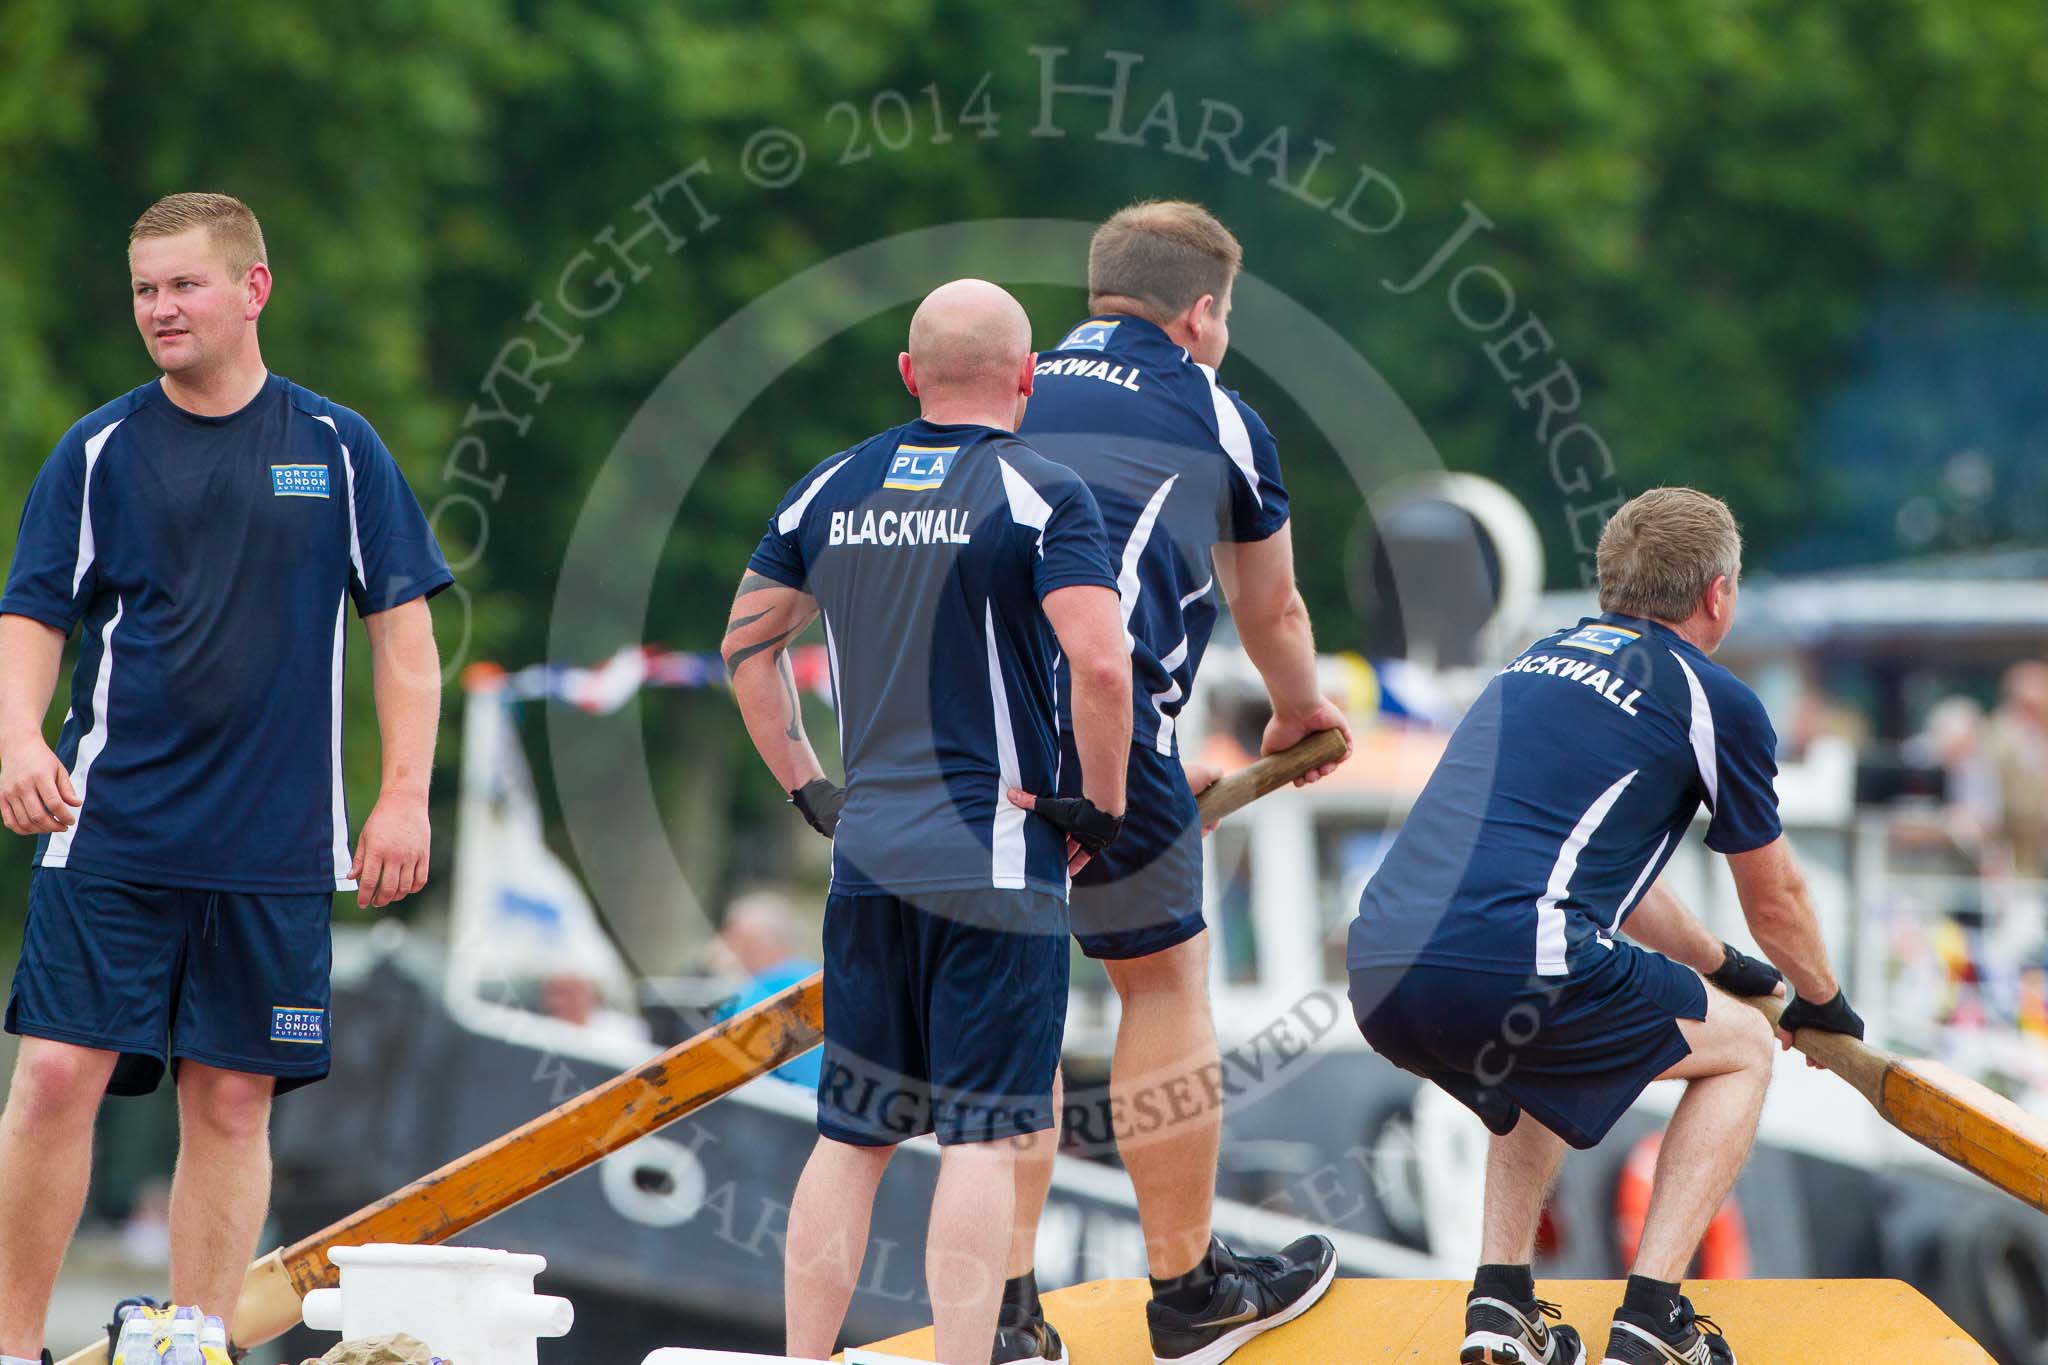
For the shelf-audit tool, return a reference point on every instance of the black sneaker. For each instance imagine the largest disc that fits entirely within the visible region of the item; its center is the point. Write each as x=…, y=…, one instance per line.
x=1499, y=1332
x=1032, y=1342
x=1252, y=1294
x=1686, y=1339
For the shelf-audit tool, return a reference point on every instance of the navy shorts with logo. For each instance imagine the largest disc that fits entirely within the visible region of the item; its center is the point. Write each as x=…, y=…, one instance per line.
x=942, y=1014
x=1575, y=1051
x=1142, y=894
x=229, y=979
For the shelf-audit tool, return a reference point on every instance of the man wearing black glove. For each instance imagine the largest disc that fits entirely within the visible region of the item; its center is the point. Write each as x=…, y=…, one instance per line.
x=953, y=566
x=1089, y=829
x=819, y=801
x=1500, y=945
x=1742, y=975
x=1833, y=1017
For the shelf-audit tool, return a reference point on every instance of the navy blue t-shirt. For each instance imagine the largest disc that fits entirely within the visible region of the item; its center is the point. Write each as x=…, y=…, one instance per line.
x=1177, y=463
x=210, y=561
x=1561, y=796
x=929, y=548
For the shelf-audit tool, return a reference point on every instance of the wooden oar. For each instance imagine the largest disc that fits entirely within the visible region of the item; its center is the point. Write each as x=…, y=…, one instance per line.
x=1972, y=1125
x=1239, y=789
x=532, y=1157
x=588, y=1128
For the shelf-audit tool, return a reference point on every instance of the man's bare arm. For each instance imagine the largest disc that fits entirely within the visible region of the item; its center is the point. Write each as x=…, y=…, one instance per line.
x=1780, y=914
x=1257, y=578
x=1090, y=625
x=1663, y=924
x=36, y=796
x=396, y=846
x=766, y=618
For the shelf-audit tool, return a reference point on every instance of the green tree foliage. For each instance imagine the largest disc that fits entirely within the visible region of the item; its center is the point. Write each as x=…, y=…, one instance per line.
x=1699, y=202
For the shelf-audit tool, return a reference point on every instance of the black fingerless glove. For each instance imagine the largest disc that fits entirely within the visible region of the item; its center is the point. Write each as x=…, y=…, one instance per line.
x=1740, y=974
x=1090, y=826
x=1833, y=1017
x=819, y=802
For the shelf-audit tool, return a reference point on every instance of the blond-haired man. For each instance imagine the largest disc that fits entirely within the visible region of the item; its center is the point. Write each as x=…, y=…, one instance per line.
x=1188, y=479
x=1486, y=955
x=207, y=531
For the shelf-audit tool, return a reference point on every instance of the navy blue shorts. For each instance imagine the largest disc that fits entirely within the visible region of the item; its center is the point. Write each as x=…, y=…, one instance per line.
x=1575, y=1051
x=942, y=1014
x=1142, y=894
x=232, y=980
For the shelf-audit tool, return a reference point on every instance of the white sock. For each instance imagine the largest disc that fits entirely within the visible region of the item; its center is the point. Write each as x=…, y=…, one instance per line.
x=17, y=1360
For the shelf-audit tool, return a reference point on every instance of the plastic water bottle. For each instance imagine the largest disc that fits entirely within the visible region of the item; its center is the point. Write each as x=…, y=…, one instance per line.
x=213, y=1341
x=184, y=1347
x=137, y=1345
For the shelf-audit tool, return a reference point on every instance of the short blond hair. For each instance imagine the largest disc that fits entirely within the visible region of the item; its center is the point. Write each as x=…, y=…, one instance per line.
x=229, y=225
x=1662, y=550
x=1162, y=255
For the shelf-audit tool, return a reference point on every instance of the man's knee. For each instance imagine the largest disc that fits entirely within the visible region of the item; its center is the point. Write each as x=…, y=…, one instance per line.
x=865, y=1159
x=57, y=1084
x=230, y=1105
x=1760, y=1040
x=987, y=1159
x=1747, y=1040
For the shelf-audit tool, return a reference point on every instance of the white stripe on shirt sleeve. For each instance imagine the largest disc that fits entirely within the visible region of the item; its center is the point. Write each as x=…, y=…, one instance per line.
x=1231, y=432
x=355, y=539
x=1702, y=734
x=793, y=515
x=1028, y=506
x=88, y=548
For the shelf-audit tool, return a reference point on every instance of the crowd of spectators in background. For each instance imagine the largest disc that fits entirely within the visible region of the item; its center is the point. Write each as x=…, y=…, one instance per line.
x=1993, y=813
x=1968, y=935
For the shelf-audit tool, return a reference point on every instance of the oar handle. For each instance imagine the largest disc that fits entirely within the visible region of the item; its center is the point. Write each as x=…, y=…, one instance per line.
x=1239, y=789
x=1854, y=1060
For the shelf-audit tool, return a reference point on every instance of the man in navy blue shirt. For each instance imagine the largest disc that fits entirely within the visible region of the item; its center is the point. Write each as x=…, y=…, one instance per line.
x=206, y=533
x=952, y=565
x=1188, y=479
x=1487, y=957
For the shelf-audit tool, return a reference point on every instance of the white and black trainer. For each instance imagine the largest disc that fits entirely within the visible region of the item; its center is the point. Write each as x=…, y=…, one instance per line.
x=1030, y=1341
x=1685, y=1338
x=1251, y=1295
x=1498, y=1332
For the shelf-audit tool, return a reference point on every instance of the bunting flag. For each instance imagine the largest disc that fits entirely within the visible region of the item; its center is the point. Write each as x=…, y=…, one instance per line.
x=605, y=688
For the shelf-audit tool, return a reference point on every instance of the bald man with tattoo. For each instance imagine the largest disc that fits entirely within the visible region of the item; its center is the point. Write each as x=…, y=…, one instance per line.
x=952, y=566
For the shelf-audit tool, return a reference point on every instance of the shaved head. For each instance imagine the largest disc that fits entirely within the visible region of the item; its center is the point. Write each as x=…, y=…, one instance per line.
x=968, y=340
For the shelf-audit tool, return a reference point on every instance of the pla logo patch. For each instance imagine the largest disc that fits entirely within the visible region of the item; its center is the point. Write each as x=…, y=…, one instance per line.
x=1600, y=639
x=919, y=469
x=298, y=480
x=1089, y=336
x=290, y=1024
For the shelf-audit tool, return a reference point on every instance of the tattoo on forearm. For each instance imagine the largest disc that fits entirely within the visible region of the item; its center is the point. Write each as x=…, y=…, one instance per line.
x=754, y=582
x=796, y=710
x=741, y=623
x=735, y=658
